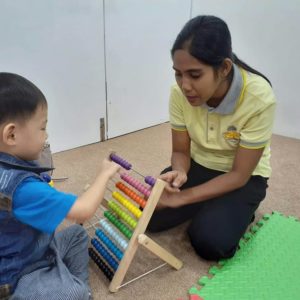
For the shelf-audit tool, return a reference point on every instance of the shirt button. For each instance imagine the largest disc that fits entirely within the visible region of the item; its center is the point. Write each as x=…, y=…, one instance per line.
x=211, y=128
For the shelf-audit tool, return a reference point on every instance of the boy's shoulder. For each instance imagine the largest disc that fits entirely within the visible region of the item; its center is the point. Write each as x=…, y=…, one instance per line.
x=14, y=171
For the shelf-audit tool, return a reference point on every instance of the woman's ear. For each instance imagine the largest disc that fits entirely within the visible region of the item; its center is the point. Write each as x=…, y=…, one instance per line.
x=226, y=67
x=9, y=134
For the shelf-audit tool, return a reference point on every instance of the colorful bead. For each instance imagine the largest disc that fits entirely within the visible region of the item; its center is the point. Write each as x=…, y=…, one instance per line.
x=122, y=162
x=110, y=230
x=150, y=180
x=109, y=244
x=126, y=203
x=127, y=232
x=136, y=184
x=122, y=214
x=135, y=197
x=105, y=254
x=101, y=264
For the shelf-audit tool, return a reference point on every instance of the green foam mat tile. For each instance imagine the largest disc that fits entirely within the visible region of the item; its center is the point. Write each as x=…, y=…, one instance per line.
x=266, y=267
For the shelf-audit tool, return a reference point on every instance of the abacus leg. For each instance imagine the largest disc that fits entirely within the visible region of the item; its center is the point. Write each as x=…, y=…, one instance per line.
x=159, y=251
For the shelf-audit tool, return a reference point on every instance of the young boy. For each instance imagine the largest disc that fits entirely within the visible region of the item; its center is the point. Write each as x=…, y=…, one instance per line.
x=35, y=262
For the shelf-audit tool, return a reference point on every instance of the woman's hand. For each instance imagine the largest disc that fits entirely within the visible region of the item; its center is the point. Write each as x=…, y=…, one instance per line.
x=169, y=199
x=175, y=180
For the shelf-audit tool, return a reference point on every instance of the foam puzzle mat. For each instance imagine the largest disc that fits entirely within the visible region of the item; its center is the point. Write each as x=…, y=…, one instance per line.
x=266, y=267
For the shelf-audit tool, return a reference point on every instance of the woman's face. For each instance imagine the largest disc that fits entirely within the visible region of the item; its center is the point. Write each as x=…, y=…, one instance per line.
x=199, y=82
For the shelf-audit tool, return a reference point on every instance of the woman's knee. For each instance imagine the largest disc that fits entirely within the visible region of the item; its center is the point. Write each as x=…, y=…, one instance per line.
x=211, y=246
x=155, y=225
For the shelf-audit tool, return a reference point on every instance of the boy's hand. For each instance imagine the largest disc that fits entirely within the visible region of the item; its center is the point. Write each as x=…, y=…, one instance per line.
x=109, y=168
x=86, y=204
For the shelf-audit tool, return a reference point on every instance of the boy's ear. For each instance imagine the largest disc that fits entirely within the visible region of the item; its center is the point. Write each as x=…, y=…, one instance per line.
x=9, y=134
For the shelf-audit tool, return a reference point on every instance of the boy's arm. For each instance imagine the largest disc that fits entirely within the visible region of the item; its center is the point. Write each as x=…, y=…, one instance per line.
x=86, y=205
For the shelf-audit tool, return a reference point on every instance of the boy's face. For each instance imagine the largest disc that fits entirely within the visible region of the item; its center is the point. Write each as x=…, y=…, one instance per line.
x=31, y=135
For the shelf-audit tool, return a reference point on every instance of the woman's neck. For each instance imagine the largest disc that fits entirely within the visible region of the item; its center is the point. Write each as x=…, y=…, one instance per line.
x=220, y=92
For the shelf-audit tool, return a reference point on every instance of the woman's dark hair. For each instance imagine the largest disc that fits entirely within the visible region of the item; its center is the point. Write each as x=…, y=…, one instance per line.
x=19, y=98
x=208, y=39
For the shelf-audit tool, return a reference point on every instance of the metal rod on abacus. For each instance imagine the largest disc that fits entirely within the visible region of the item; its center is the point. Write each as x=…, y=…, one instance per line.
x=87, y=228
x=142, y=275
x=90, y=224
x=122, y=162
x=126, y=165
x=59, y=179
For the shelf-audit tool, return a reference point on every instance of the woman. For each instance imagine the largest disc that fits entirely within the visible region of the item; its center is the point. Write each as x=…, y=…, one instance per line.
x=221, y=114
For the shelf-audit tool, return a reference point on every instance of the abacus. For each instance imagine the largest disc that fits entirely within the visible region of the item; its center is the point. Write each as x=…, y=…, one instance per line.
x=118, y=235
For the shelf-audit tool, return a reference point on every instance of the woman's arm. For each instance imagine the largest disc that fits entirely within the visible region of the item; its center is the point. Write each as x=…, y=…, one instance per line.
x=181, y=144
x=244, y=163
x=180, y=160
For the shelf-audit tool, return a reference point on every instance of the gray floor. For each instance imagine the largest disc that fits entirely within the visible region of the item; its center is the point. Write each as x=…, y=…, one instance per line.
x=149, y=151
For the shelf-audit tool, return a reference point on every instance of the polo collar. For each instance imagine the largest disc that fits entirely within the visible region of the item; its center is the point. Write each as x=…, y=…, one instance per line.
x=229, y=102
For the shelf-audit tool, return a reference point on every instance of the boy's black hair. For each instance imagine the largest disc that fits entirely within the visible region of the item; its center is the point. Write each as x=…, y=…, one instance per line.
x=19, y=98
x=208, y=39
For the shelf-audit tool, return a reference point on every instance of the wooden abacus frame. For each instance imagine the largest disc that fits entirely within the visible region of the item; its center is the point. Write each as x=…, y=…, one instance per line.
x=140, y=238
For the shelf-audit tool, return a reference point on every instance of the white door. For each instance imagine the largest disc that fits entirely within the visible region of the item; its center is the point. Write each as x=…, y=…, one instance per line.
x=59, y=45
x=139, y=35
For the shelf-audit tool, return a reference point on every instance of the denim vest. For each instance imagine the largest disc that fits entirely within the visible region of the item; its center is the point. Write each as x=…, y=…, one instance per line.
x=22, y=248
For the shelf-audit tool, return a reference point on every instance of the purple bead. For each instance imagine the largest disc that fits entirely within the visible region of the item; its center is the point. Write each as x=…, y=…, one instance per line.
x=150, y=180
x=122, y=162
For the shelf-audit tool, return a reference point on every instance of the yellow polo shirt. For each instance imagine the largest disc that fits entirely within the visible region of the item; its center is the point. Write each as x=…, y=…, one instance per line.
x=244, y=117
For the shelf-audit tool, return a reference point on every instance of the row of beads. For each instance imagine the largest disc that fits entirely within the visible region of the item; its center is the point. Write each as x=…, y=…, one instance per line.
x=101, y=264
x=129, y=192
x=122, y=162
x=105, y=254
x=109, y=244
x=124, y=229
x=126, y=203
x=136, y=184
x=109, y=229
x=122, y=214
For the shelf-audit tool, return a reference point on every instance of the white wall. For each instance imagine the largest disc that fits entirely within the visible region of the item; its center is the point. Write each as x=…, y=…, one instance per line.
x=59, y=46
x=266, y=35
x=139, y=35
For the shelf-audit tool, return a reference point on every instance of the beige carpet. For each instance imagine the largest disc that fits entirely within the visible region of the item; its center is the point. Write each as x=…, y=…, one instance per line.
x=149, y=151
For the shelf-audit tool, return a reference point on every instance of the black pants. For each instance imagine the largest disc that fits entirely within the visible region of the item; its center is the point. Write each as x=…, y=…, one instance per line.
x=216, y=224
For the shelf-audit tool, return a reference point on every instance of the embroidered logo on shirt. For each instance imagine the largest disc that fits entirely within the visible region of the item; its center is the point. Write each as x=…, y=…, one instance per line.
x=231, y=135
